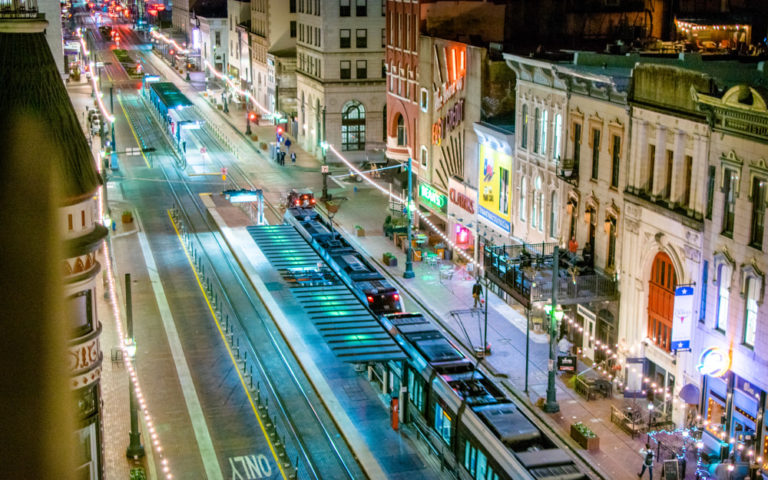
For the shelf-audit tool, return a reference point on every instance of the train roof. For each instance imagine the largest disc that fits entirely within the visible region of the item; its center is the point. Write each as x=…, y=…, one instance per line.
x=508, y=423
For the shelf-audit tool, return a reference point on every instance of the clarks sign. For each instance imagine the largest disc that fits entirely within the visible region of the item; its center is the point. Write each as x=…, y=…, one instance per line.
x=458, y=198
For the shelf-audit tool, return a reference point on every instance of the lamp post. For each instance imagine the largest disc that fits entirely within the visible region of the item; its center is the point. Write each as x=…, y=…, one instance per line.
x=409, y=251
x=135, y=449
x=551, y=406
x=247, y=120
x=325, y=171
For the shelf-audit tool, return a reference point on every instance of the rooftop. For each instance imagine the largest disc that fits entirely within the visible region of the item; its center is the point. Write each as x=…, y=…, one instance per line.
x=33, y=86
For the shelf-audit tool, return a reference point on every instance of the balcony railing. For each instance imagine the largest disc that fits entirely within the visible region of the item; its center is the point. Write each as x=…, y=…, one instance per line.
x=18, y=9
x=525, y=273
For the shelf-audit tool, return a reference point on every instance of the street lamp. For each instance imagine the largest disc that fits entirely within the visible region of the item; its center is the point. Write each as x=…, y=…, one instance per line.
x=650, y=416
x=135, y=449
x=555, y=315
x=325, y=171
x=409, y=251
x=250, y=116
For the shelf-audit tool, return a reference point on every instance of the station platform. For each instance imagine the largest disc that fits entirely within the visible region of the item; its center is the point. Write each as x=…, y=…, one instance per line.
x=328, y=354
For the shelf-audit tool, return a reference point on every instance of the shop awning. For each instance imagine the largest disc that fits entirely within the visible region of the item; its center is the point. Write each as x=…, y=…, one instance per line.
x=690, y=394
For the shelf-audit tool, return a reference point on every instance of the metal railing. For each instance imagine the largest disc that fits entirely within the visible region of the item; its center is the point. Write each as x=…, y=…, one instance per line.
x=572, y=288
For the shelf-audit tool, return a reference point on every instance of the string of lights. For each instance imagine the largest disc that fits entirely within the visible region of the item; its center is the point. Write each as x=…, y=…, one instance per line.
x=103, y=108
x=168, y=40
x=124, y=346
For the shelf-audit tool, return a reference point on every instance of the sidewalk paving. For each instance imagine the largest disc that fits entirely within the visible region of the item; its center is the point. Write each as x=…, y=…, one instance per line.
x=618, y=457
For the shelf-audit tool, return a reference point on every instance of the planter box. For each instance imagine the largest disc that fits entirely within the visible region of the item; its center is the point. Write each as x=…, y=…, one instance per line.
x=592, y=443
x=392, y=261
x=127, y=218
x=360, y=232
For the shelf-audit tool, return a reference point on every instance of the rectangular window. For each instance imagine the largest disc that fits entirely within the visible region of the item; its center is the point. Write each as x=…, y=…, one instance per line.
x=750, y=314
x=424, y=100
x=292, y=6
x=543, y=130
x=536, y=130
x=416, y=391
x=383, y=69
x=523, y=194
x=595, y=153
x=345, y=38
x=80, y=312
x=407, y=32
x=729, y=200
x=687, y=179
x=710, y=190
x=556, y=136
x=503, y=190
x=345, y=70
x=82, y=217
x=383, y=37
x=362, y=8
x=705, y=285
x=70, y=222
x=723, y=290
x=218, y=39
x=293, y=29
x=361, y=69
x=524, y=133
x=317, y=37
x=576, y=145
x=443, y=424
x=361, y=37
x=757, y=225
x=615, y=161
x=344, y=8
x=668, y=178
x=651, y=167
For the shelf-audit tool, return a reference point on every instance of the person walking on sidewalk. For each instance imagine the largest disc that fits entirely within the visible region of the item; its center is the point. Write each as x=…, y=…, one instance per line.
x=293, y=157
x=477, y=290
x=648, y=455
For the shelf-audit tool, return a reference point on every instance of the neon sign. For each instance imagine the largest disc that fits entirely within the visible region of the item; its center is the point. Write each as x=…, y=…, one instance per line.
x=432, y=197
x=453, y=63
x=448, y=122
x=714, y=361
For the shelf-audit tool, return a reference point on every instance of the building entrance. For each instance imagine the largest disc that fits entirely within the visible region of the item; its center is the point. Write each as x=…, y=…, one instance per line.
x=661, y=301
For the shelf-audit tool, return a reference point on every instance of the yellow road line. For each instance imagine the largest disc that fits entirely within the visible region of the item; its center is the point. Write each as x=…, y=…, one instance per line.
x=229, y=350
x=138, y=142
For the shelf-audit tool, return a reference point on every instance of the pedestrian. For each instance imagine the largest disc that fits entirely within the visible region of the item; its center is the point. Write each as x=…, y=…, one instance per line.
x=477, y=289
x=293, y=157
x=287, y=143
x=648, y=455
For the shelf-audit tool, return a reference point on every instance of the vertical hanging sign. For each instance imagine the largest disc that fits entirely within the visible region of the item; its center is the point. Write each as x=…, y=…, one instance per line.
x=682, y=316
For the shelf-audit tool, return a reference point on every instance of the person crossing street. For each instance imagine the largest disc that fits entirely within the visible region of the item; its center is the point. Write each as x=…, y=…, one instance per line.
x=648, y=455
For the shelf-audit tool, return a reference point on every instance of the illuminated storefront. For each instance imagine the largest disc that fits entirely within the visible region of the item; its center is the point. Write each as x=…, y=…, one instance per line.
x=714, y=36
x=732, y=410
x=494, y=193
x=462, y=215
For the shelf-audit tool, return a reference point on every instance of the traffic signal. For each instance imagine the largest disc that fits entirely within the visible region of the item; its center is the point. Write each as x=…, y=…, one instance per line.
x=279, y=134
x=252, y=116
x=172, y=52
x=224, y=174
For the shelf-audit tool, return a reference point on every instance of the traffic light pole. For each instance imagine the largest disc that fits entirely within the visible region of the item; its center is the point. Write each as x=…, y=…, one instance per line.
x=247, y=121
x=409, y=251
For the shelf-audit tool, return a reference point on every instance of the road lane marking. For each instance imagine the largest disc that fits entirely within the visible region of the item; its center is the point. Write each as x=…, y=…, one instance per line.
x=253, y=467
x=229, y=350
x=199, y=426
x=136, y=137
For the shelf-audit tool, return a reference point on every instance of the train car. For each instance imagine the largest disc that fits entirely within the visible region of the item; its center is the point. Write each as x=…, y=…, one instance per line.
x=367, y=282
x=464, y=413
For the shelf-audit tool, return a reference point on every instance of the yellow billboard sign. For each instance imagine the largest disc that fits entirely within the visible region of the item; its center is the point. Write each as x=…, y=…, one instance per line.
x=495, y=188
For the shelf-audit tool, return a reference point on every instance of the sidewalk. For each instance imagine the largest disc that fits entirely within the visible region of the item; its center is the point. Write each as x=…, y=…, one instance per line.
x=618, y=457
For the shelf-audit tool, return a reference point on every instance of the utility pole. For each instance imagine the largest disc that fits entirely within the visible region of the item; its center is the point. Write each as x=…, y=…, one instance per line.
x=409, y=251
x=551, y=406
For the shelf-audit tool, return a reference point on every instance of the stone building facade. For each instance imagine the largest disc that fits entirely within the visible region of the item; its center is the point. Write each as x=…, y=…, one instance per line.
x=340, y=77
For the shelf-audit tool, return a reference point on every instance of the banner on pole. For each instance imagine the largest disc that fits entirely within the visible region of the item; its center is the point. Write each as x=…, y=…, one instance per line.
x=681, y=318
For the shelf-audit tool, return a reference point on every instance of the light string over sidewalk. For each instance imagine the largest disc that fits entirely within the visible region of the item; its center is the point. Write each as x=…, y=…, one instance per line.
x=97, y=92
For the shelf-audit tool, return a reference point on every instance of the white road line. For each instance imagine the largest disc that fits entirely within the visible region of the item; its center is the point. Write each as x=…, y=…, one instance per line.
x=202, y=435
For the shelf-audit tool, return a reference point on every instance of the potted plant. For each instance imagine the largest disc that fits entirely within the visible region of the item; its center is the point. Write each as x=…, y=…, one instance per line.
x=360, y=231
x=584, y=436
x=127, y=216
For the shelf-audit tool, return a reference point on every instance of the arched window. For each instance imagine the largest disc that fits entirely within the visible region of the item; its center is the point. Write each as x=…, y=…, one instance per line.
x=750, y=315
x=402, y=137
x=553, y=214
x=723, y=291
x=353, y=126
x=524, y=136
x=537, y=215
